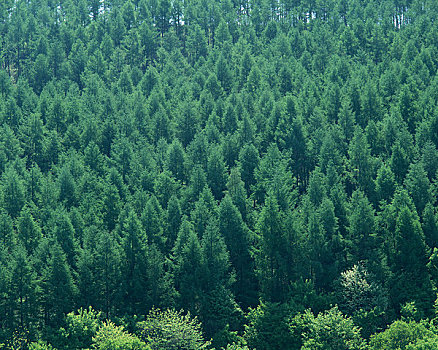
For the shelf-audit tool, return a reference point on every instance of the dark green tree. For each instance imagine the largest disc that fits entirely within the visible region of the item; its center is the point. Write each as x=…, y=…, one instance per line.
x=189, y=269
x=13, y=192
x=108, y=274
x=271, y=258
x=28, y=230
x=111, y=206
x=385, y=183
x=67, y=187
x=134, y=266
x=223, y=74
x=216, y=173
x=152, y=222
x=237, y=192
x=218, y=307
x=411, y=280
x=238, y=241
x=176, y=160
x=418, y=186
x=429, y=225
x=173, y=220
x=248, y=162
x=362, y=229
x=22, y=290
x=58, y=288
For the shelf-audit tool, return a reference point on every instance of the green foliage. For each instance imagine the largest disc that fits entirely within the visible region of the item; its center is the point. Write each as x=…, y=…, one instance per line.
x=267, y=327
x=81, y=328
x=272, y=256
x=28, y=230
x=40, y=346
x=13, y=193
x=112, y=337
x=234, y=346
x=404, y=335
x=362, y=228
x=360, y=292
x=332, y=330
x=204, y=155
x=58, y=287
x=170, y=329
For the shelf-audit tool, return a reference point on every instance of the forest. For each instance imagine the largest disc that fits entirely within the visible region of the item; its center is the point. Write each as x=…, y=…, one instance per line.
x=233, y=174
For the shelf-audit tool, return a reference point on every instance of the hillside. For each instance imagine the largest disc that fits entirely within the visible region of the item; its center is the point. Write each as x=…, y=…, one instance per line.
x=269, y=167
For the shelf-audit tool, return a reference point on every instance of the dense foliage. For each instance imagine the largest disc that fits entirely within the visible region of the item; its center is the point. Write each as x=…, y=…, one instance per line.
x=264, y=172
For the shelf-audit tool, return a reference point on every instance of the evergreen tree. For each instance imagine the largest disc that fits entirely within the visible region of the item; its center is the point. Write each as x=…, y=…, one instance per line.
x=58, y=288
x=363, y=245
x=173, y=219
x=429, y=226
x=176, y=161
x=418, y=186
x=411, y=280
x=189, y=269
x=108, y=274
x=236, y=190
x=29, y=232
x=248, y=162
x=218, y=307
x=361, y=162
x=22, y=291
x=7, y=234
x=64, y=233
x=205, y=208
x=152, y=222
x=385, y=183
x=271, y=258
x=216, y=173
x=13, y=193
x=223, y=74
x=67, y=187
x=134, y=266
x=86, y=281
x=237, y=239
x=187, y=123
x=111, y=206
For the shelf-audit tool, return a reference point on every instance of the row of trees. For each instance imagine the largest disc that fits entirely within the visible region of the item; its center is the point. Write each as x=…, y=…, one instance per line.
x=243, y=162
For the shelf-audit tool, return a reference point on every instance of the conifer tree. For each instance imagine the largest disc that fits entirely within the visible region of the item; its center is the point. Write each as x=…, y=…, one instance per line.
x=216, y=173
x=22, y=291
x=152, y=222
x=236, y=190
x=418, y=186
x=238, y=242
x=248, y=162
x=218, y=306
x=189, y=269
x=173, y=220
x=411, y=281
x=58, y=288
x=271, y=258
x=111, y=206
x=108, y=273
x=13, y=193
x=362, y=230
x=430, y=227
x=134, y=265
x=29, y=232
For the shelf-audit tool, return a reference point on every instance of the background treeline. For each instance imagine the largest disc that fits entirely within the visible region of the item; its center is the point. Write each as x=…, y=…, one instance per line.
x=252, y=162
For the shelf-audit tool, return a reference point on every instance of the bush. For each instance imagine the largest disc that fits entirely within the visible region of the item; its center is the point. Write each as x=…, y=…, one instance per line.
x=331, y=330
x=112, y=337
x=81, y=328
x=172, y=330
